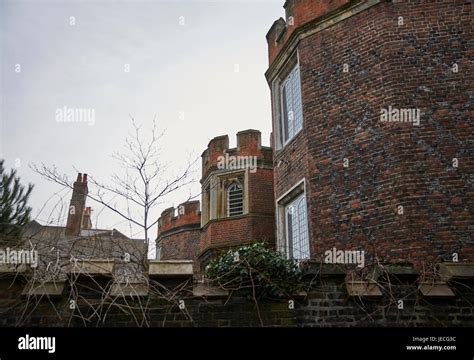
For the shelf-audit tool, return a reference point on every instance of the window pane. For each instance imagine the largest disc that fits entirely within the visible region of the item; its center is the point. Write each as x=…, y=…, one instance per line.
x=296, y=225
x=303, y=243
x=285, y=113
x=235, y=201
x=292, y=118
x=289, y=231
x=296, y=106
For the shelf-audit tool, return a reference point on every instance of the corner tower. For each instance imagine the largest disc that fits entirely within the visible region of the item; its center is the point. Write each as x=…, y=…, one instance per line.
x=345, y=176
x=237, y=194
x=178, y=232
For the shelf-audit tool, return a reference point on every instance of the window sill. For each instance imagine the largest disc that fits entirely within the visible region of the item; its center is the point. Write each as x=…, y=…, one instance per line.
x=289, y=142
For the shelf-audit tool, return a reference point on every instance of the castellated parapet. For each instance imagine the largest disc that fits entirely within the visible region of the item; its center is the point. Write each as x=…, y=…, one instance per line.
x=237, y=194
x=237, y=203
x=187, y=213
x=218, y=154
x=299, y=13
x=179, y=232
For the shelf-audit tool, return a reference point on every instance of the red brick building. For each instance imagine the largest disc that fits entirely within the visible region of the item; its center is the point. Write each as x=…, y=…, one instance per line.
x=237, y=203
x=372, y=125
x=349, y=175
x=179, y=231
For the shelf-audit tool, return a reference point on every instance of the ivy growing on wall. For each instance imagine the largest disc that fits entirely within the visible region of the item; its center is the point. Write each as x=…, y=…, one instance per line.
x=256, y=269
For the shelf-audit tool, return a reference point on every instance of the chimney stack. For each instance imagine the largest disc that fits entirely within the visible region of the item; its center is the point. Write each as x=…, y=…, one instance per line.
x=77, y=206
x=86, y=218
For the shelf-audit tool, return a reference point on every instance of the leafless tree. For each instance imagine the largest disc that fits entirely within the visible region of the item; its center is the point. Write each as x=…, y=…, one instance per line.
x=143, y=183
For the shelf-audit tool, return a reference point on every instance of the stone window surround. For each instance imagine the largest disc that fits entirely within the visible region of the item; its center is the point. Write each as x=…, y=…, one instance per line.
x=285, y=70
x=280, y=204
x=234, y=200
x=215, y=195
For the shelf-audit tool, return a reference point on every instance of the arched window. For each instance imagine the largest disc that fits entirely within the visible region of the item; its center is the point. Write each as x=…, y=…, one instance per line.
x=235, y=200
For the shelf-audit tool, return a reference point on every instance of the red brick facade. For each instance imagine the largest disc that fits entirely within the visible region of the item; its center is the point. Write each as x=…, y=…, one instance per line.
x=199, y=235
x=179, y=232
x=356, y=58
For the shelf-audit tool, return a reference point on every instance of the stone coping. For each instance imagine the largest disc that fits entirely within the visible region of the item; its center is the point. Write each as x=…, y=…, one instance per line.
x=170, y=268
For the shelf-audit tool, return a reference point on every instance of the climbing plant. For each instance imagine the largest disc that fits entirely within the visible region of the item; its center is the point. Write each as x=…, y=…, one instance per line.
x=256, y=269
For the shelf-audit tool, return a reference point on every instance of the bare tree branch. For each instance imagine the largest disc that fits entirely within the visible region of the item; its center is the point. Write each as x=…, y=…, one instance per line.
x=142, y=184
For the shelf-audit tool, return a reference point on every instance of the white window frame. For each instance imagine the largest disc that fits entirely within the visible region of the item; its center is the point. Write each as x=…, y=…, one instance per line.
x=303, y=243
x=228, y=194
x=296, y=193
x=289, y=118
x=278, y=84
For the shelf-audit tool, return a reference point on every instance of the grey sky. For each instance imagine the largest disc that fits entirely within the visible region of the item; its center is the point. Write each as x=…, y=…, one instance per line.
x=185, y=74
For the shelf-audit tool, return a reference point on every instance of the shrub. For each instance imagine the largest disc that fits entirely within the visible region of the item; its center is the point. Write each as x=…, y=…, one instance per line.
x=257, y=270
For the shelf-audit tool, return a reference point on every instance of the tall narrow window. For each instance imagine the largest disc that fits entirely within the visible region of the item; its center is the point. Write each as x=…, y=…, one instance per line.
x=235, y=200
x=292, y=117
x=297, y=229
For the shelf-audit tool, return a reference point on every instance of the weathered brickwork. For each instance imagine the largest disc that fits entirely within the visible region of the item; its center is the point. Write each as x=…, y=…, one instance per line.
x=327, y=303
x=399, y=191
x=198, y=235
x=179, y=231
x=398, y=54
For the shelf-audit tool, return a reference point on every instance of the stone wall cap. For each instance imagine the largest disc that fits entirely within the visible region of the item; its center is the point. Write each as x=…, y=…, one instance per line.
x=12, y=268
x=362, y=288
x=170, y=268
x=435, y=289
x=49, y=288
x=448, y=271
x=92, y=267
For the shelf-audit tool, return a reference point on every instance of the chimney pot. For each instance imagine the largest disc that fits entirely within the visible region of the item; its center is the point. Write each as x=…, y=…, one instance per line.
x=79, y=177
x=84, y=178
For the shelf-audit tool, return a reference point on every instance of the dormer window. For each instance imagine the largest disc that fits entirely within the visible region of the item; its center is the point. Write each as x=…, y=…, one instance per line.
x=235, y=200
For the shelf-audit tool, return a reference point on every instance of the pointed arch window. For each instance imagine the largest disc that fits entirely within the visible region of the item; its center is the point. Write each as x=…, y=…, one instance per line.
x=235, y=200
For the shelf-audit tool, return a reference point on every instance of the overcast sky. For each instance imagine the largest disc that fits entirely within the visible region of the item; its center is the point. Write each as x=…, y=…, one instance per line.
x=197, y=65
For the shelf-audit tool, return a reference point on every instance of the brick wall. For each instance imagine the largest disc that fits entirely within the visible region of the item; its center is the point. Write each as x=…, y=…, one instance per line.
x=181, y=245
x=298, y=13
x=327, y=303
x=235, y=231
x=186, y=214
x=179, y=231
x=390, y=164
x=261, y=192
x=257, y=223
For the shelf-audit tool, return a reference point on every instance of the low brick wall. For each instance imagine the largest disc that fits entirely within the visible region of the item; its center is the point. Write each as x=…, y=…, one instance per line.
x=179, y=302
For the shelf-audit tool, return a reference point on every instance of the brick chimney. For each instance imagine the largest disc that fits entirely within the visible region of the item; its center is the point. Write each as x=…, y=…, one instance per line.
x=77, y=206
x=86, y=218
